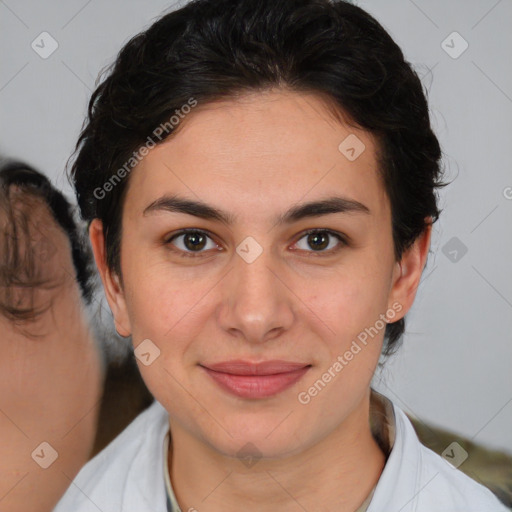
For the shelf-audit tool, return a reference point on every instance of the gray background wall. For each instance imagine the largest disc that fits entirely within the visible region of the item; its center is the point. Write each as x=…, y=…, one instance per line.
x=454, y=367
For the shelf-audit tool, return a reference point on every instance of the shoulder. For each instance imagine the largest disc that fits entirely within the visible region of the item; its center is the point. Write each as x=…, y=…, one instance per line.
x=416, y=479
x=127, y=475
x=450, y=485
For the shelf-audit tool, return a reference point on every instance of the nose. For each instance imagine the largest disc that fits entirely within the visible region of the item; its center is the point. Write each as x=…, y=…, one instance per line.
x=257, y=303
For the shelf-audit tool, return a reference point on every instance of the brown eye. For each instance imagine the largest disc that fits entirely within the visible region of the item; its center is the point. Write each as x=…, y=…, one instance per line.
x=194, y=241
x=318, y=241
x=189, y=242
x=322, y=241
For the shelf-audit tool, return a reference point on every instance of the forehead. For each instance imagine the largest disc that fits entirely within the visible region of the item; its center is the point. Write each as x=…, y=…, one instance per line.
x=276, y=148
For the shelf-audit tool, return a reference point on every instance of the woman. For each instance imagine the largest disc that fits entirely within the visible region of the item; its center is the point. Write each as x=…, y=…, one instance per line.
x=260, y=184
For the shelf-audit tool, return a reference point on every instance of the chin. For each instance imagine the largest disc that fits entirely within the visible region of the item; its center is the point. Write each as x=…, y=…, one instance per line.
x=252, y=437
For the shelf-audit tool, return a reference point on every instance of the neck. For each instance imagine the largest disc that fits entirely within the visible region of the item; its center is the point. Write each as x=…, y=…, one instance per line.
x=337, y=473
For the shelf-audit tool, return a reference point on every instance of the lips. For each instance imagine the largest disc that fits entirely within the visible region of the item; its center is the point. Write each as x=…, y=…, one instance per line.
x=239, y=367
x=256, y=380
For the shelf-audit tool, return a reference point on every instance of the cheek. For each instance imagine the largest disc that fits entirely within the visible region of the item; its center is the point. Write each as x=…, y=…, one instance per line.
x=168, y=308
x=350, y=301
x=351, y=307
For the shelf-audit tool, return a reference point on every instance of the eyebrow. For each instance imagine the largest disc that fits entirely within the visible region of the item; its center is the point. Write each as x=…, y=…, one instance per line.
x=295, y=213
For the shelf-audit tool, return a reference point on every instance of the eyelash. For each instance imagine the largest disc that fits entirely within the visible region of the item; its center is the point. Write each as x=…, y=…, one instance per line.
x=191, y=254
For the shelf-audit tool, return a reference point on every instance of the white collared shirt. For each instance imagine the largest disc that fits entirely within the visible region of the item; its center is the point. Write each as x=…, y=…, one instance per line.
x=129, y=475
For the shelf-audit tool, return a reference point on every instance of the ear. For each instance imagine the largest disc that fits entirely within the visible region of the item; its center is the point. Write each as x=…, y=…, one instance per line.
x=111, y=283
x=407, y=272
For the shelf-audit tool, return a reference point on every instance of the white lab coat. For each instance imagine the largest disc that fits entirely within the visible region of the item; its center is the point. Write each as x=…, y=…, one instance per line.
x=128, y=475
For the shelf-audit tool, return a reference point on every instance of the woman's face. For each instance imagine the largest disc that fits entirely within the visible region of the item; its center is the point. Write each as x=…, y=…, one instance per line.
x=256, y=288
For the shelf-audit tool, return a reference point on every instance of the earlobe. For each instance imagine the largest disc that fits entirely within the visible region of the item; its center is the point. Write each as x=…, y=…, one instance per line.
x=407, y=272
x=114, y=292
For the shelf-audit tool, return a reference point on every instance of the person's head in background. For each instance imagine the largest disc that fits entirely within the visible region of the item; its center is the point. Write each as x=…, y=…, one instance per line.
x=51, y=366
x=260, y=182
x=21, y=185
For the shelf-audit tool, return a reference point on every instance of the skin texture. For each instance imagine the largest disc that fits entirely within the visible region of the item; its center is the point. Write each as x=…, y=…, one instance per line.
x=50, y=367
x=255, y=157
